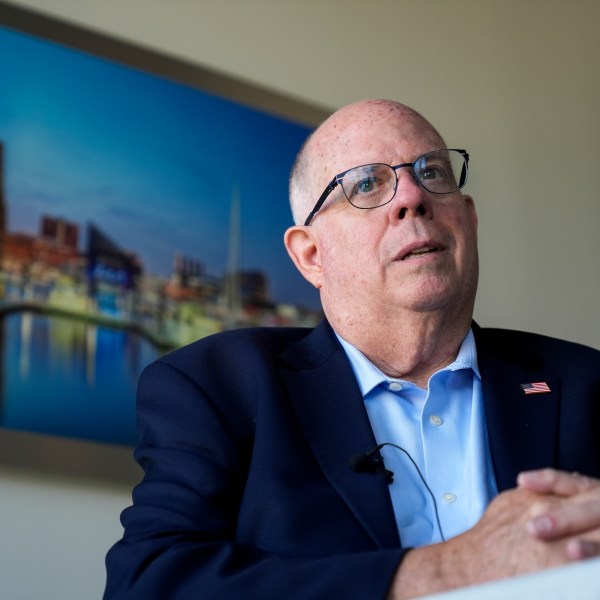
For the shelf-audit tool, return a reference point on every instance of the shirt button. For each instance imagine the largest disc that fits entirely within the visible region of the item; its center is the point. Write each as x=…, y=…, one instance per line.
x=395, y=386
x=449, y=497
x=436, y=420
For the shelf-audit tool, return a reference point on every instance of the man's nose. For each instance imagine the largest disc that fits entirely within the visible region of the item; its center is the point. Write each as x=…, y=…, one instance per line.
x=411, y=200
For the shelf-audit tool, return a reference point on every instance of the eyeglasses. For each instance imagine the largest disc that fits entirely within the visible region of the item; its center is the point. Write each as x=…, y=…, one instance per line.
x=440, y=172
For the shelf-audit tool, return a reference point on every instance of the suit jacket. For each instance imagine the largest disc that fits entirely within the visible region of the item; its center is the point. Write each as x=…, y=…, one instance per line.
x=246, y=439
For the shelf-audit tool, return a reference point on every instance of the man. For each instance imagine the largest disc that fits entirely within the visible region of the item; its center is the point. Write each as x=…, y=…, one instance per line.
x=262, y=447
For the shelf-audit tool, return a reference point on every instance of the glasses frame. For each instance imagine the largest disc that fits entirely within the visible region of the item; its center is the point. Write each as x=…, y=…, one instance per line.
x=337, y=180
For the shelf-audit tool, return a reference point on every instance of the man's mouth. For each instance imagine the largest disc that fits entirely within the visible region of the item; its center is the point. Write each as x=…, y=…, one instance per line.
x=420, y=252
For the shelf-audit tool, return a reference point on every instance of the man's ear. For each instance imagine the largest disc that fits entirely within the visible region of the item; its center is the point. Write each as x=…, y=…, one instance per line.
x=302, y=246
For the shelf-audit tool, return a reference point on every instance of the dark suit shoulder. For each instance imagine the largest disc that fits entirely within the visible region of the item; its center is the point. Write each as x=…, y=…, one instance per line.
x=533, y=349
x=220, y=379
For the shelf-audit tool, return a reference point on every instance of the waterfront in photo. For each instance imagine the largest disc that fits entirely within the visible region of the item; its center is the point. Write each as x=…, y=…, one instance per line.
x=70, y=378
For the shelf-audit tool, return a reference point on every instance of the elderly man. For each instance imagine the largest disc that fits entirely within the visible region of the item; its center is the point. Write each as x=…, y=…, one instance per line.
x=383, y=453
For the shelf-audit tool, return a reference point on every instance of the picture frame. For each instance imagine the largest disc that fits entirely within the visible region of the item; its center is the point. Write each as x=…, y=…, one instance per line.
x=97, y=267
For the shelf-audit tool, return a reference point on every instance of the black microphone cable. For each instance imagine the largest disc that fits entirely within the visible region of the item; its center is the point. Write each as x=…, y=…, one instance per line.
x=367, y=463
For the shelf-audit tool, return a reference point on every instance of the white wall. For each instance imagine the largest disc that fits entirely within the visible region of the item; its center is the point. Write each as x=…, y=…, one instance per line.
x=54, y=534
x=515, y=81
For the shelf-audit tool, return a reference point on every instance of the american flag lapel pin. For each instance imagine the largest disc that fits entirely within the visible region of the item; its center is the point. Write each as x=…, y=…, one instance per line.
x=537, y=387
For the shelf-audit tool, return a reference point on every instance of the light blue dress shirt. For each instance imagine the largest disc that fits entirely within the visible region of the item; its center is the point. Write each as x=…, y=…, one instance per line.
x=443, y=429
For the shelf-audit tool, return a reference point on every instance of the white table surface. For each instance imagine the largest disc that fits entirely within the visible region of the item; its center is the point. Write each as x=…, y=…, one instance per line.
x=579, y=581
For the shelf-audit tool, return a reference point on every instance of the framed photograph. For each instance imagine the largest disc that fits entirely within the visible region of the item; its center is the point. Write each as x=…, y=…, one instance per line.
x=142, y=206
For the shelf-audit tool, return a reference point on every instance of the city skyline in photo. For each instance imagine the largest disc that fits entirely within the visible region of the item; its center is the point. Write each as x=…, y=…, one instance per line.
x=153, y=163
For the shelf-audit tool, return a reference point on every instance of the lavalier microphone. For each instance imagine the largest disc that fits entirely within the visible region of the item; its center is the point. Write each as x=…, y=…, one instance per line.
x=372, y=462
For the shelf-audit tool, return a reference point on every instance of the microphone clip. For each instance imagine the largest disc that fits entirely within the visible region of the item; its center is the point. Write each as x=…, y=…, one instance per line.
x=371, y=462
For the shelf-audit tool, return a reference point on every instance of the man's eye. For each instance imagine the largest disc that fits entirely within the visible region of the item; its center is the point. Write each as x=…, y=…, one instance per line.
x=433, y=173
x=366, y=185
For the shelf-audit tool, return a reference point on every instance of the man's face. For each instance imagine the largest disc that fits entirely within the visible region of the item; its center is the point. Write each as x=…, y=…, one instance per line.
x=419, y=252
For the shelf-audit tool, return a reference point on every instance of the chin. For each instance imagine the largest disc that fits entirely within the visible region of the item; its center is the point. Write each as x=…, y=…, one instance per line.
x=430, y=295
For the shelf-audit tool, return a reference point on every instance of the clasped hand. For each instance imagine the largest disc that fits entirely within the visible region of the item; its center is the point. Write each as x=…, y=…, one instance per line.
x=568, y=509
x=550, y=519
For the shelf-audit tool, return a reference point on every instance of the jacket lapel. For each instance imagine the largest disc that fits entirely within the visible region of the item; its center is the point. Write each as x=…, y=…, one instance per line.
x=333, y=418
x=522, y=428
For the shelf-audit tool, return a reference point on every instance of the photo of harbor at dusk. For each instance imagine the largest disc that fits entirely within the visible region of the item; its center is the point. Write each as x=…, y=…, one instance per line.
x=137, y=215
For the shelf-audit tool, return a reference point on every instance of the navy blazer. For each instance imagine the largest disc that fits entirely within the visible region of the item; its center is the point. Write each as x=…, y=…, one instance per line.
x=246, y=438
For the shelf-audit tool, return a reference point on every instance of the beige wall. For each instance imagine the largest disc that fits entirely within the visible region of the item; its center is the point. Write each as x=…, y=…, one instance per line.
x=515, y=81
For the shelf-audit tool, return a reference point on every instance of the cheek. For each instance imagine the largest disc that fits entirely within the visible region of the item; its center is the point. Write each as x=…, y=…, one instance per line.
x=467, y=253
x=348, y=260
x=461, y=225
x=336, y=259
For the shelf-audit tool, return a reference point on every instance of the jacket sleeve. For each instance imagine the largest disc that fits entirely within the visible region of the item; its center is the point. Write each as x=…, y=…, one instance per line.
x=180, y=534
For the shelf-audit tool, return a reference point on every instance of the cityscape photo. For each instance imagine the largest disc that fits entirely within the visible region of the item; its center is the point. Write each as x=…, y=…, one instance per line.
x=137, y=215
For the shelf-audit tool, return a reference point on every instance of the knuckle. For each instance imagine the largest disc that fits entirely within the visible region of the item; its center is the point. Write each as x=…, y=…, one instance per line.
x=550, y=475
x=541, y=507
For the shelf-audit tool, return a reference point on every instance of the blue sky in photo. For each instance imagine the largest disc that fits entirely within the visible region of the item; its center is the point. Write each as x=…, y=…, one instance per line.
x=151, y=162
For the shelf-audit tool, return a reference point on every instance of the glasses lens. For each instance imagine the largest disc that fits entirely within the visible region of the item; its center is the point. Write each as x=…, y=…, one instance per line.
x=441, y=171
x=369, y=186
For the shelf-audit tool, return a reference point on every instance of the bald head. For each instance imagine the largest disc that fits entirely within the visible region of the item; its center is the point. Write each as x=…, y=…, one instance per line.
x=322, y=155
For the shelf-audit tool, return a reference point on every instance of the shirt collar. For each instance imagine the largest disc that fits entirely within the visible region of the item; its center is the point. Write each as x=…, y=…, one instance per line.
x=369, y=376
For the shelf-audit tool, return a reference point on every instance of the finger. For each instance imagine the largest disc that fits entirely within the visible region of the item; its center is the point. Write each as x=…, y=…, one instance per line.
x=578, y=549
x=570, y=518
x=551, y=481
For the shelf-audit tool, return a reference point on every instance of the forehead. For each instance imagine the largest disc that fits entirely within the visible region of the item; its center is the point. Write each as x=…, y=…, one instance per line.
x=371, y=133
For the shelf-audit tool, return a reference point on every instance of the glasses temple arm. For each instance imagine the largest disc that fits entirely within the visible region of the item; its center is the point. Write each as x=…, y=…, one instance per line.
x=465, y=169
x=330, y=187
